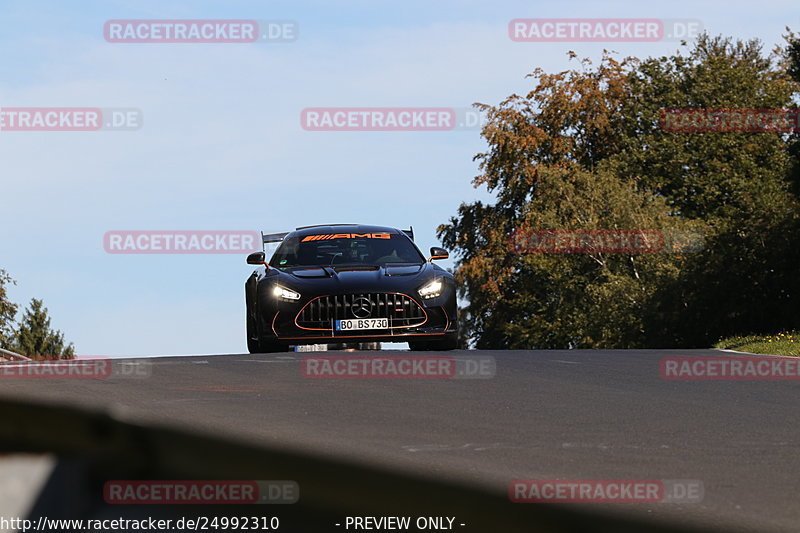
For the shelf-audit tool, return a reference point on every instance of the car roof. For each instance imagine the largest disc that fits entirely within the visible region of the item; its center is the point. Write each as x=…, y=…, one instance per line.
x=343, y=228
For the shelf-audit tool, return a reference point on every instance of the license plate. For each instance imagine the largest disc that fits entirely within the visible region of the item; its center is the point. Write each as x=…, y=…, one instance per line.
x=311, y=348
x=362, y=323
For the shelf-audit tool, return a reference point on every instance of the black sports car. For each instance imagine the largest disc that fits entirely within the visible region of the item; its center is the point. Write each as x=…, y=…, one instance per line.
x=348, y=283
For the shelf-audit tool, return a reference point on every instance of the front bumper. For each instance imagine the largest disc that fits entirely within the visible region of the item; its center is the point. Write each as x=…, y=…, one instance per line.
x=417, y=320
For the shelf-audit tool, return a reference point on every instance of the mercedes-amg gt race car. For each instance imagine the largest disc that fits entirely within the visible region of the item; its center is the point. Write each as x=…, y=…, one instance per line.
x=348, y=283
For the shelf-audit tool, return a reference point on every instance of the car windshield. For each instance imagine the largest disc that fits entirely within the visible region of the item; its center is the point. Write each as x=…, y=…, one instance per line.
x=346, y=249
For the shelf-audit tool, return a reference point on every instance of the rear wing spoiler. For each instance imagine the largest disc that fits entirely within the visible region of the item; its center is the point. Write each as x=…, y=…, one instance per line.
x=409, y=232
x=271, y=237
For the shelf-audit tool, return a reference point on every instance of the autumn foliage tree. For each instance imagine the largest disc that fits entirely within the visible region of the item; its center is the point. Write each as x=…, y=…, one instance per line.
x=584, y=149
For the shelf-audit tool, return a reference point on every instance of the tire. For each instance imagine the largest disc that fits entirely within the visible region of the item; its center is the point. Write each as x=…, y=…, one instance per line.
x=444, y=345
x=252, y=337
x=272, y=347
x=254, y=345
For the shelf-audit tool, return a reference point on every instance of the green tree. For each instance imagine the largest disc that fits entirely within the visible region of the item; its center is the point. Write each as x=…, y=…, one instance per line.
x=34, y=337
x=584, y=149
x=564, y=300
x=792, y=54
x=722, y=178
x=8, y=311
x=740, y=184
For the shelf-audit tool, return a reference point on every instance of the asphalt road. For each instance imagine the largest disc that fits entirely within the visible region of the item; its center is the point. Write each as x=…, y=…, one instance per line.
x=544, y=415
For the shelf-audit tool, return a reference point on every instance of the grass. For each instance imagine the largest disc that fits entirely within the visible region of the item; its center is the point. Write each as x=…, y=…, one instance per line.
x=781, y=344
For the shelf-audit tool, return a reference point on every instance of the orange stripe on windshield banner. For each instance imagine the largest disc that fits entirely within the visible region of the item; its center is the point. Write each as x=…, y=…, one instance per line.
x=309, y=238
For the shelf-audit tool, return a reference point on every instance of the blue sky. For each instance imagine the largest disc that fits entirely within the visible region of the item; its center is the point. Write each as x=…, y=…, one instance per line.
x=222, y=147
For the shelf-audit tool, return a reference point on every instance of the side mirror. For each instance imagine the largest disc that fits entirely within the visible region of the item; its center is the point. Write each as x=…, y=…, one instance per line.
x=257, y=258
x=438, y=253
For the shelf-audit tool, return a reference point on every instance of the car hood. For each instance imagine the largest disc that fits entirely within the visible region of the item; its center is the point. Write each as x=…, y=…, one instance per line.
x=400, y=278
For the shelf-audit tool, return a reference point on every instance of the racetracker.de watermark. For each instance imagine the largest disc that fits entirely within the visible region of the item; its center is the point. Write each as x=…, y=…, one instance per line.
x=391, y=119
x=88, y=368
x=181, y=242
x=732, y=368
x=70, y=119
x=573, y=30
x=631, y=241
x=201, y=492
x=398, y=367
x=200, y=31
x=606, y=491
x=695, y=120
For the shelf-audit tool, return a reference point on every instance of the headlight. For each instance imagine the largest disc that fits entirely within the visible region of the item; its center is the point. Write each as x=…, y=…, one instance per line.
x=284, y=293
x=432, y=289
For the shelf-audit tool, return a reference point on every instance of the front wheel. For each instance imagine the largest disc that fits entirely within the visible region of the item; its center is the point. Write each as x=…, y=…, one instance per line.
x=252, y=336
x=254, y=345
x=443, y=345
x=272, y=347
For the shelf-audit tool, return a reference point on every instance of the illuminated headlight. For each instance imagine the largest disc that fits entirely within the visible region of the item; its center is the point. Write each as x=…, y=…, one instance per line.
x=284, y=293
x=432, y=289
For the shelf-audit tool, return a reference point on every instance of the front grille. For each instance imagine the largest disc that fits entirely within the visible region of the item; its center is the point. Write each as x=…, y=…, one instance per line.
x=400, y=309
